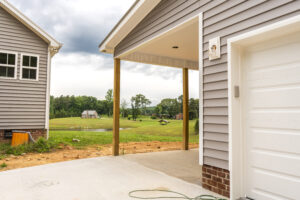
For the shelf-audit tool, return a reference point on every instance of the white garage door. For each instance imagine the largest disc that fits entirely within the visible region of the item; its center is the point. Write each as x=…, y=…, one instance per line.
x=270, y=99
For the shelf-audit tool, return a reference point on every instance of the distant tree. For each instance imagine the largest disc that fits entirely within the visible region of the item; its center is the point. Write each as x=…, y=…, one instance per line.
x=196, y=127
x=144, y=102
x=193, y=108
x=124, y=111
x=72, y=106
x=52, y=115
x=180, y=104
x=109, y=101
x=168, y=107
x=138, y=103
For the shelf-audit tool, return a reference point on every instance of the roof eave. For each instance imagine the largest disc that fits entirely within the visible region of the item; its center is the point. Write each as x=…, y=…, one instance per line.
x=137, y=12
x=53, y=44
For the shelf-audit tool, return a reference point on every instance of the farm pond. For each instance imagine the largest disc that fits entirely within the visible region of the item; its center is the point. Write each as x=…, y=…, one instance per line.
x=87, y=130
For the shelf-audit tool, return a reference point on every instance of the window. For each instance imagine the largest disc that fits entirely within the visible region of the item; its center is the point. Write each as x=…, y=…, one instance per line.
x=8, y=65
x=29, y=67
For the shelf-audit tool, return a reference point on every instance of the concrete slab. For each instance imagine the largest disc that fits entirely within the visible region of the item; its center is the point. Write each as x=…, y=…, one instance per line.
x=180, y=164
x=104, y=178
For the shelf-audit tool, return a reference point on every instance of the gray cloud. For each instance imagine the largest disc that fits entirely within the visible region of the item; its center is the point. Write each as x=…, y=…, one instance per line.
x=79, y=24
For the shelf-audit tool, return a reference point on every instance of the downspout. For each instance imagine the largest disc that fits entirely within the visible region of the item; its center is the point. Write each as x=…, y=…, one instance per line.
x=50, y=53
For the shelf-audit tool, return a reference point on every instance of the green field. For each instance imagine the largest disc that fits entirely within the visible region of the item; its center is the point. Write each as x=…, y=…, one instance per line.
x=137, y=131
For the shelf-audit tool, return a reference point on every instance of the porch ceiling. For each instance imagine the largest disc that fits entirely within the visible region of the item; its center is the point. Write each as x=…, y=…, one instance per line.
x=161, y=50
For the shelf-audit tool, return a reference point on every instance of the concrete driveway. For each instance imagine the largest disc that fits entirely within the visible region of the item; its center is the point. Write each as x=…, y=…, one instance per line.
x=180, y=164
x=103, y=178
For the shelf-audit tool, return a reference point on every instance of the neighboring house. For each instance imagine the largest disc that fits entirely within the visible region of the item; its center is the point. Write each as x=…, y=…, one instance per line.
x=89, y=114
x=247, y=54
x=25, y=62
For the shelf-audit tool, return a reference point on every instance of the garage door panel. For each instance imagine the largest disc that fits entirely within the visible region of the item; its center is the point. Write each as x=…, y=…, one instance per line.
x=275, y=75
x=270, y=103
x=264, y=58
x=278, y=185
x=276, y=97
x=277, y=162
x=276, y=140
x=259, y=194
x=275, y=119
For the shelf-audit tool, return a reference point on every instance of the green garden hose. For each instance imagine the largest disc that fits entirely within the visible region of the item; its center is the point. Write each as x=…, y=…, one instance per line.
x=180, y=195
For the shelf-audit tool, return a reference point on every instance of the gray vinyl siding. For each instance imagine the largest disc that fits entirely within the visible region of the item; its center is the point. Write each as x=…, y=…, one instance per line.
x=22, y=102
x=220, y=18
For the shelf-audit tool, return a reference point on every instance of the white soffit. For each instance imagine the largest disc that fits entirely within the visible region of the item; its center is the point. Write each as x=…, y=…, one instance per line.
x=162, y=50
x=30, y=24
x=132, y=18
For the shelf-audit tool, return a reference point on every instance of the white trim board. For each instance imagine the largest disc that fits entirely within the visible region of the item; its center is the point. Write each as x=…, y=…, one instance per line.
x=235, y=46
x=6, y=65
x=37, y=67
x=200, y=61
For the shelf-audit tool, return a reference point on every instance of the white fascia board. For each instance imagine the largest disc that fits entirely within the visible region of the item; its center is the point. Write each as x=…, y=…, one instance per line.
x=55, y=45
x=134, y=16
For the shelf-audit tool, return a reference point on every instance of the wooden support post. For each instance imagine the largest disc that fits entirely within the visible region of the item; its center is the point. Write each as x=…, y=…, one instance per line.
x=116, y=114
x=185, y=78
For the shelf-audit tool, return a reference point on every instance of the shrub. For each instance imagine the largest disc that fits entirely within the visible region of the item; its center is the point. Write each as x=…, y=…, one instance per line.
x=18, y=150
x=42, y=145
x=153, y=117
x=3, y=165
x=197, y=127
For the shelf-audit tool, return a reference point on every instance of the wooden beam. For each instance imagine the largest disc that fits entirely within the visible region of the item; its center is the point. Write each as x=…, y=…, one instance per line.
x=116, y=114
x=185, y=78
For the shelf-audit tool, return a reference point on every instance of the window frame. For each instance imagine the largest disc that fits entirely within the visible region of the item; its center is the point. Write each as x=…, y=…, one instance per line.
x=28, y=67
x=15, y=66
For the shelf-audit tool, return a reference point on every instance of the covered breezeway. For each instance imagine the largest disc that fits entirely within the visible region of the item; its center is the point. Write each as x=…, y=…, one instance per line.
x=178, y=47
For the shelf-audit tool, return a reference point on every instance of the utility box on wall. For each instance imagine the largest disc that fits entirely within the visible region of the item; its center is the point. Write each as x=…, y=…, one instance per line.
x=214, y=48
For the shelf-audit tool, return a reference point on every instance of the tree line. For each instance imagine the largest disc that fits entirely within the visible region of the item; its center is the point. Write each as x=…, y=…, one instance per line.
x=73, y=106
x=170, y=107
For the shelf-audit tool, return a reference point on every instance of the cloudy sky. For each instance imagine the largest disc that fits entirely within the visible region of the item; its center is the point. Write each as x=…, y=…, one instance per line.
x=79, y=69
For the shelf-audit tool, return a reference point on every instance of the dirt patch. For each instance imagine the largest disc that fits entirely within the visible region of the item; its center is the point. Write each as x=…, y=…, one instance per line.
x=69, y=153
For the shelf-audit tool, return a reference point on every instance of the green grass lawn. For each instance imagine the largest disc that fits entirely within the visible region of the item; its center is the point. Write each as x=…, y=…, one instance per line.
x=139, y=131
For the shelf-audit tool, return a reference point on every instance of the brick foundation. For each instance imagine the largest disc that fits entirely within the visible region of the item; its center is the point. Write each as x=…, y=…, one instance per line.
x=36, y=133
x=216, y=180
